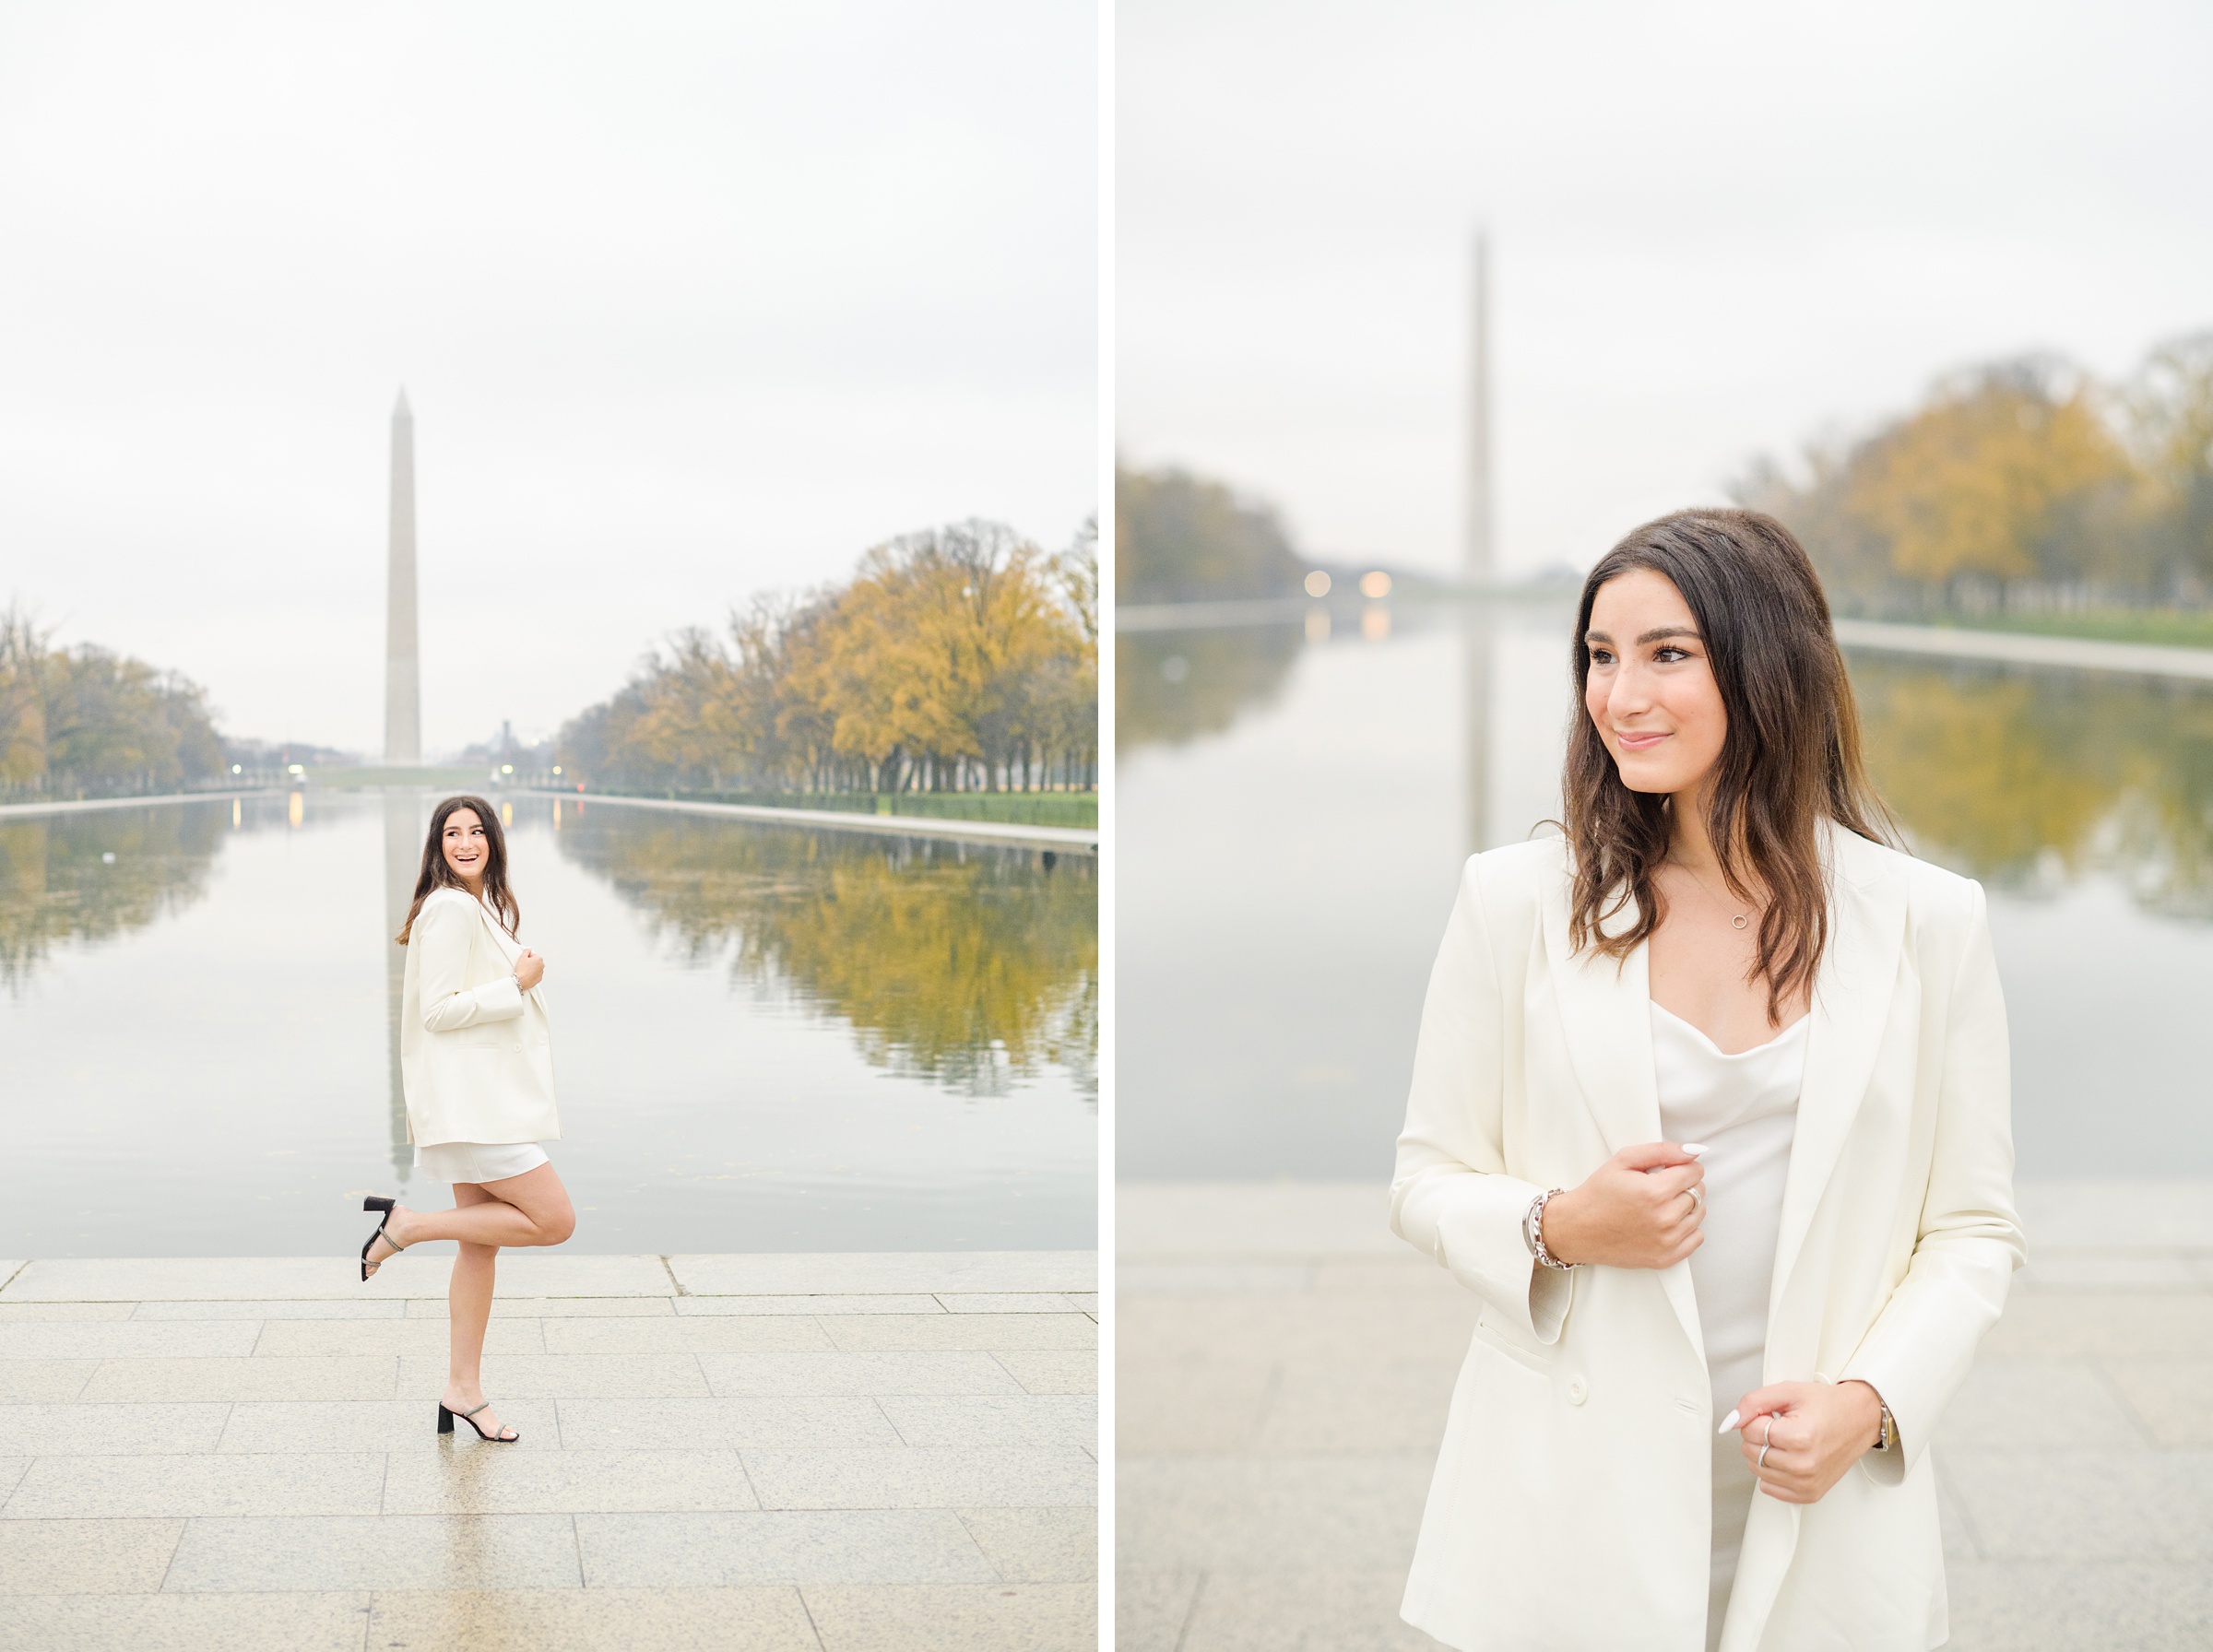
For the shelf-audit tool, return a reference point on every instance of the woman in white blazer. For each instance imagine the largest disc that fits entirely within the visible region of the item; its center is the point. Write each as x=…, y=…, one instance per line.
x=1719, y=943
x=476, y=1059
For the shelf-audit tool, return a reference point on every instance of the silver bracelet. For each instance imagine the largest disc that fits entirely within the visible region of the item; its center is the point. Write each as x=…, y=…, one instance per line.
x=1533, y=1232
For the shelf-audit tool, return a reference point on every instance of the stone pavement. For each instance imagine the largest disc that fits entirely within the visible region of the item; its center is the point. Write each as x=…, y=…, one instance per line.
x=827, y=1453
x=1284, y=1364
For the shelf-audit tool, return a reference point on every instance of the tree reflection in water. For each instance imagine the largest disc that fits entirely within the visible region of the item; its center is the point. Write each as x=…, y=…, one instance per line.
x=1174, y=686
x=971, y=967
x=2027, y=779
x=88, y=877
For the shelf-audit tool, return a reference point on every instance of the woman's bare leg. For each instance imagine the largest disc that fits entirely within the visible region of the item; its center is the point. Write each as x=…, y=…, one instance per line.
x=468, y=1309
x=530, y=1209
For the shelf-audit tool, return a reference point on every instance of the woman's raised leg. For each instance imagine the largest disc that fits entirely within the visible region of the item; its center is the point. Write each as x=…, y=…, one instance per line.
x=530, y=1209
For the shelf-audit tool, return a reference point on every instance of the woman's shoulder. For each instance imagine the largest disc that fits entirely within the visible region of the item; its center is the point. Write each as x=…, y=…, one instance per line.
x=1520, y=873
x=445, y=901
x=1932, y=892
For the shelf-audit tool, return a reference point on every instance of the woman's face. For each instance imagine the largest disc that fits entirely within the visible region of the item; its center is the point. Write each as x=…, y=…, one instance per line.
x=1650, y=691
x=468, y=850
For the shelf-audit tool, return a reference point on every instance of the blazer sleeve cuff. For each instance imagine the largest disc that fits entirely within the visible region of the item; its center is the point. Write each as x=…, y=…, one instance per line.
x=500, y=1000
x=1479, y=1242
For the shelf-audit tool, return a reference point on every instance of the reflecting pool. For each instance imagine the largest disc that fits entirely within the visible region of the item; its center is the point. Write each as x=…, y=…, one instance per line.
x=1295, y=808
x=765, y=1038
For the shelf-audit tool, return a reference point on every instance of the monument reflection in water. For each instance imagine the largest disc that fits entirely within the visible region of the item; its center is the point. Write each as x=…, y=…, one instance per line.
x=1294, y=810
x=767, y=1038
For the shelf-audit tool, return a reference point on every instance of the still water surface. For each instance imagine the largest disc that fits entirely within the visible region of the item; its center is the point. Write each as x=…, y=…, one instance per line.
x=1294, y=811
x=764, y=1038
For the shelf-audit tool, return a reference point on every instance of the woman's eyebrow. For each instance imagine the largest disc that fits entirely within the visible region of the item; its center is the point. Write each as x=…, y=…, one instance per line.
x=1669, y=631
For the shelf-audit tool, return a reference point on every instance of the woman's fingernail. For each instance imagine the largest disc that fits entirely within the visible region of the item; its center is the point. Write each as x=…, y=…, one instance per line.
x=1728, y=1422
x=1693, y=1148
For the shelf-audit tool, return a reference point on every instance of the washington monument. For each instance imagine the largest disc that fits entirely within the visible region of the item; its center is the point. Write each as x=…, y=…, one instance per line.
x=1475, y=545
x=403, y=673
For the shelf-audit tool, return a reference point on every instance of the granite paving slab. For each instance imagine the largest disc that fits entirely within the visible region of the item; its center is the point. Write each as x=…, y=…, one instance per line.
x=567, y=1481
x=917, y=1332
x=739, y=1375
x=858, y=1303
x=322, y=1376
x=923, y=1272
x=378, y=1552
x=764, y=1619
x=245, y=1455
x=678, y=1334
x=923, y=1477
x=993, y=1419
x=296, y=1620
x=1049, y=1371
x=85, y=1557
x=319, y=1482
x=44, y=1379
x=780, y=1546
x=1037, y=1545
x=409, y=1425
x=288, y=1337
x=1041, y=1617
x=129, y=1430
x=780, y=1419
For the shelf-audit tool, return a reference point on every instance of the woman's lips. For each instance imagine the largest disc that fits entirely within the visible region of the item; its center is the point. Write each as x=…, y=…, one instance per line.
x=1639, y=742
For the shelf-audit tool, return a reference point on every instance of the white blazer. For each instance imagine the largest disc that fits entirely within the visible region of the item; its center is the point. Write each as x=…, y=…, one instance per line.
x=476, y=1052
x=1571, y=1506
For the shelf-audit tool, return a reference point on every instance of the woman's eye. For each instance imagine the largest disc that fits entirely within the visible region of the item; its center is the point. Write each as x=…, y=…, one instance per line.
x=1601, y=656
x=1668, y=657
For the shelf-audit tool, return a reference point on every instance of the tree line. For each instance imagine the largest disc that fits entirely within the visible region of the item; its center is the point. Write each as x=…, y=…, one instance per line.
x=88, y=721
x=962, y=658
x=2023, y=485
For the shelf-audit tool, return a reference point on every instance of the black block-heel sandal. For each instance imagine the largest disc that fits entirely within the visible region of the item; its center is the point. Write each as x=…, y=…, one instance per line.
x=506, y=1436
x=384, y=1204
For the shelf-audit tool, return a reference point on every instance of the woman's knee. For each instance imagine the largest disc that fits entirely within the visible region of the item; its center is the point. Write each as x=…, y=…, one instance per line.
x=555, y=1226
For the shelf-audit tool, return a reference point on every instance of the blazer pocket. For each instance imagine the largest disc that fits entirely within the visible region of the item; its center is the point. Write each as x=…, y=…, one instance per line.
x=1493, y=1335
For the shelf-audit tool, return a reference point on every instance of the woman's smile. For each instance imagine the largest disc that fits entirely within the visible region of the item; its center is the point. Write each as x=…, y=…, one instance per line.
x=1639, y=739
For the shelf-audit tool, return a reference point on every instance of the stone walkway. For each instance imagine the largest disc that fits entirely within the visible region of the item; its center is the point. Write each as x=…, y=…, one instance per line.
x=827, y=1453
x=1284, y=1365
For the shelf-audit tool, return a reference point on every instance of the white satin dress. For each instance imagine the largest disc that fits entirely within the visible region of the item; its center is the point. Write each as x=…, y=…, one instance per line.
x=1744, y=1108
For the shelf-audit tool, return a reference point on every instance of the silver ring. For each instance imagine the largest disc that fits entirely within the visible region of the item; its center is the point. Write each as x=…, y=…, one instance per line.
x=1769, y=1420
x=1762, y=1460
x=1698, y=1199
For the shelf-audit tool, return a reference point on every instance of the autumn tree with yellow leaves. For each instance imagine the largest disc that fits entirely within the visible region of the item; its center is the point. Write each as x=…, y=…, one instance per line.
x=86, y=721
x=2026, y=484
x=963, y=658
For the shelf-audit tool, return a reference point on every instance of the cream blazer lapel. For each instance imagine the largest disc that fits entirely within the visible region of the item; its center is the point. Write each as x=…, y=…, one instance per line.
x=1606, y=1008
x=1852, y=1001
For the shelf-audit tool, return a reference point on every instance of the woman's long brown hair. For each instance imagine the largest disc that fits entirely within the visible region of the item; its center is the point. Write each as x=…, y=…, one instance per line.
x=436, y=874
x=1790, y=760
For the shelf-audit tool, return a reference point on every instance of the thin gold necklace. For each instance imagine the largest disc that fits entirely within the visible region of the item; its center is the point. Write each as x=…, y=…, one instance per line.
x=1738, y=921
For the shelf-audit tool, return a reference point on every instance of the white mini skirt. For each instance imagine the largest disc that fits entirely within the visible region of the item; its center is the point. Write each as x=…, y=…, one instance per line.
x=477, y=1160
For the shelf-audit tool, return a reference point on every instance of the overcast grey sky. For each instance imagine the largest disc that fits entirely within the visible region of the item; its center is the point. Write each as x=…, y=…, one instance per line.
x=690, y=301
x=1717, y=231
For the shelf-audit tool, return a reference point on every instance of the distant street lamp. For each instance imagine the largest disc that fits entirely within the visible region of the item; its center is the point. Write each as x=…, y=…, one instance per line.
x=1375, y=585
x=1318, y=583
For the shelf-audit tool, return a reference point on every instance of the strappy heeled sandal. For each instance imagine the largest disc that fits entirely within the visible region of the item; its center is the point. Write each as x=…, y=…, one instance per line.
x=506, y=1436
x=384, y=1204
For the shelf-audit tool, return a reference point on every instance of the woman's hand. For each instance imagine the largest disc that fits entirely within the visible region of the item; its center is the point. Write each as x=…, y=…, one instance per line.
x=530, y=969
x=1643, y=1208
x=1812, y=1432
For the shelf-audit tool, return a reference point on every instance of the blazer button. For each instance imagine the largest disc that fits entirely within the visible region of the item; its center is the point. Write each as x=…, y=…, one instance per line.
x=1577, y=1390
